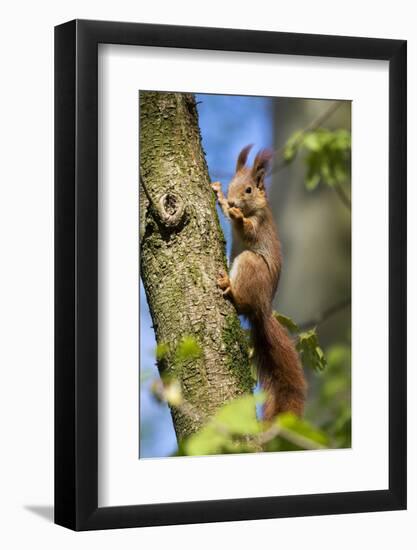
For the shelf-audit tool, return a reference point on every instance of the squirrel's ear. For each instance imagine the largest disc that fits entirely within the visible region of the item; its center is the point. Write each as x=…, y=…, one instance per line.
x=261, y=165
x=243, y=157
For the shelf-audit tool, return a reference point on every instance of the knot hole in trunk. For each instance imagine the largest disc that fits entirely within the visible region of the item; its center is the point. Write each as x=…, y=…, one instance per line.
x=171, y=210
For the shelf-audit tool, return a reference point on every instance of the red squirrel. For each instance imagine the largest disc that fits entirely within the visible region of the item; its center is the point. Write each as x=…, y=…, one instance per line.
x=253, y=280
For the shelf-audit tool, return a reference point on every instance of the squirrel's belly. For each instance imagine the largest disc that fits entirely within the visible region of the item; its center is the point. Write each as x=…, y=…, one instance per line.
x=238, y=246
x=234, y=268
x=238, y=263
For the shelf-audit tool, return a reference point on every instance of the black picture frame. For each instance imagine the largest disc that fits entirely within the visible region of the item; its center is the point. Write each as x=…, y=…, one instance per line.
x=76, y=272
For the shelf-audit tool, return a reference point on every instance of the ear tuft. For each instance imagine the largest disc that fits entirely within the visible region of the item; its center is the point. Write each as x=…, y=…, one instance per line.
x=243, y=157
x=261, y=165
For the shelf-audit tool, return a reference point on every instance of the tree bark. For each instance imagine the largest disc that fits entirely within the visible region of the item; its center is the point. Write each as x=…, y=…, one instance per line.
x=181, y=253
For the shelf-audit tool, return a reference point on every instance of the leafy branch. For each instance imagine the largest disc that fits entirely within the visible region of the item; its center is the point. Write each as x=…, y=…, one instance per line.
x=298, y=136
x=327, y=155
x=312, y=355
x=235, y=427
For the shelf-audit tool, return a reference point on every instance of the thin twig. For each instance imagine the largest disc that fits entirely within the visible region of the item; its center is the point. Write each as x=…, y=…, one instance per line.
x=293, y=437
x=341, y=193
x=325, y=314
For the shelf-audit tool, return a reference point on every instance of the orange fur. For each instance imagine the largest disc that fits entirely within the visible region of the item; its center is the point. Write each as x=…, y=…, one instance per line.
x=253, y=280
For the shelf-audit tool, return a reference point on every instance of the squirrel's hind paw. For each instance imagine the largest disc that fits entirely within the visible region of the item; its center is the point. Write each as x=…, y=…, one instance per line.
x=223, y=281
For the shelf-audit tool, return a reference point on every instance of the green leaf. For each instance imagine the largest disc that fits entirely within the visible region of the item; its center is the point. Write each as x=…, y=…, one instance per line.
x=312, y=141
x=311, y=353
x=342, y=140
x=239, y=416
x=289, y=153
x=161, y=351
x=207, y=441
x=188, y=349
x=312, y=181
x=234, y=429
x=340, y=173
x=292, y=146
x=313, y=176
x=287, y=322
x=294, y=426
x=327, y=155
x=227, y=432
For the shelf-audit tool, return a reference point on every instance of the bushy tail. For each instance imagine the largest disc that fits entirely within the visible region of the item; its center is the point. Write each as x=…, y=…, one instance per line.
x=279, y=369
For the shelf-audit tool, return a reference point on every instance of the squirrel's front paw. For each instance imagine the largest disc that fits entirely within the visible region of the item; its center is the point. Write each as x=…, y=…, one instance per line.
x=223, y=281
x=235, y=213
x=216, y=186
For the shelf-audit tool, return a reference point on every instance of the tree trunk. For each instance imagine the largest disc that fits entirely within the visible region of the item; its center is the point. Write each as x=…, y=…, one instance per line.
x=181, y=254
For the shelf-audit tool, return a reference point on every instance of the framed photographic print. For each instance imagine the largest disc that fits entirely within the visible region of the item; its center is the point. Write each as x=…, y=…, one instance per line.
x=230, y=251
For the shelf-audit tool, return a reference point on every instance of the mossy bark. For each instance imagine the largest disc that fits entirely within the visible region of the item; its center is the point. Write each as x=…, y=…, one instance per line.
x=181, y=254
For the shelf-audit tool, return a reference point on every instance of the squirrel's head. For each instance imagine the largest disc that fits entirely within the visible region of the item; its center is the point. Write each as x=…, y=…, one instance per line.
x=247, y=188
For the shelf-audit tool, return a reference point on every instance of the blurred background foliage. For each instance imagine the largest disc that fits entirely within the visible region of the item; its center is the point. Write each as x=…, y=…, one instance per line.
x=309, y=192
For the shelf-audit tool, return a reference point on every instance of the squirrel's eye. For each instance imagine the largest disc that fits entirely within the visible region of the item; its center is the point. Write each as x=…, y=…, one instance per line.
x=248, y=189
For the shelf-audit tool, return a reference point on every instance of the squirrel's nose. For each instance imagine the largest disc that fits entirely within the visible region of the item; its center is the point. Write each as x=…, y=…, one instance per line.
x=231, y=203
